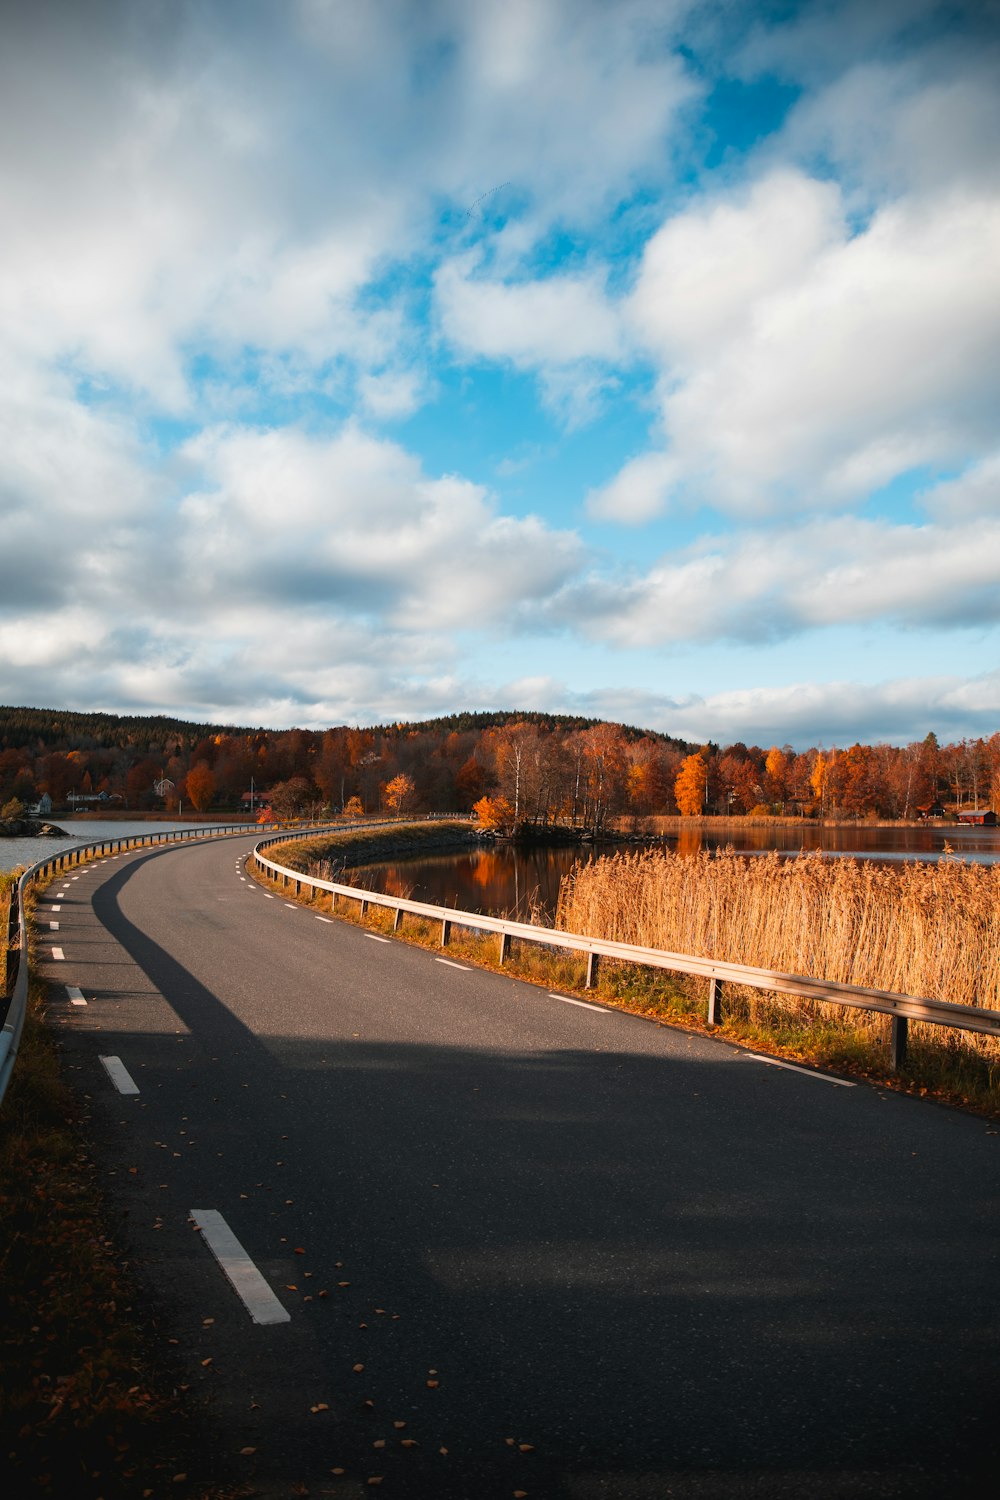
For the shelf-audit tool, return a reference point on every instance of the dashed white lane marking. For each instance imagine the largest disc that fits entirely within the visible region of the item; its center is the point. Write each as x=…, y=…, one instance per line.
x=58, y=954
x=773, y=1062
x=451, y=964
x=268, y=895
x=291, y=904
x=376, y=939
x=327, y=920
x=53, y=926
x=75, y=995
x=583, y=1004
x=55, y=908
x=247, y=1282
x=120, y=1075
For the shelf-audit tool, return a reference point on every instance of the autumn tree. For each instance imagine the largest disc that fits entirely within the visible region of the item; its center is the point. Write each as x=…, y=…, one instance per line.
x=289, y=798
x=776, y=775
x=199, y=785
x=398, y=793
x=689, y=788
x=495, y=812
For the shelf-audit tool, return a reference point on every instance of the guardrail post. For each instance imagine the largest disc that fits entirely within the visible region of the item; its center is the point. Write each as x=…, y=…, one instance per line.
x=504, y=946
x=364, y=908
x=397, y=918
x=897, y=1042
x=714, y=1001
x=591, y=978
x=445, y=932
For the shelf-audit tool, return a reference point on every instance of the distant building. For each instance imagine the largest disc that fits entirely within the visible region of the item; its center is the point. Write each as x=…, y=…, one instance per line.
x=985, y=816
x=42, y=808
x=930, y=810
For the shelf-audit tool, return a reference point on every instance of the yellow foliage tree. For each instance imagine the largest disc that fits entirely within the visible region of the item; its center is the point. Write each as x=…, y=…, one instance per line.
x=398, y=792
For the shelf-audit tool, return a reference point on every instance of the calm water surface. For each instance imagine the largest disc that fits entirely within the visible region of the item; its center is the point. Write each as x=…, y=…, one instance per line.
x=518, y=882
x=15, y=852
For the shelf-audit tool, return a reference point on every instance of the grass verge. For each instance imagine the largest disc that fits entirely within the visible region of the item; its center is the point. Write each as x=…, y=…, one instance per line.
x=86, y=1406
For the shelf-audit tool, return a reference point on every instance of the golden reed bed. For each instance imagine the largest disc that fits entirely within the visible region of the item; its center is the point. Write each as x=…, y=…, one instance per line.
x=926, y=929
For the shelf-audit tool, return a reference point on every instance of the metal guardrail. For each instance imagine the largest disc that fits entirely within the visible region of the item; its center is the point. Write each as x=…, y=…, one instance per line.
x=900, y=1007
x=17, y=1006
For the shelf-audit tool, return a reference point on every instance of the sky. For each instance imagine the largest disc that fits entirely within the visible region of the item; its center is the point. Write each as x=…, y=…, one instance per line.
x=370, y=360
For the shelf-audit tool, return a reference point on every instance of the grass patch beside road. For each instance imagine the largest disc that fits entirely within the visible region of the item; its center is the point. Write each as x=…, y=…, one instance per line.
x=86, y=1407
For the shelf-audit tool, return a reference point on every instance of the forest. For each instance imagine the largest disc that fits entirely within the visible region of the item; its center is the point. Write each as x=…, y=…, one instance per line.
x=527, y=770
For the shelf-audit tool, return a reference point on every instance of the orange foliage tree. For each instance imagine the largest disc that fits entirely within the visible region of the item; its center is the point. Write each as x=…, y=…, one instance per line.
x=200, y=785
x=689, y=788
x=494, y=812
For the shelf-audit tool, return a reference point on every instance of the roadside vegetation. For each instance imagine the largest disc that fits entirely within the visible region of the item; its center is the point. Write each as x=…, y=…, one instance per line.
x=924, y=929
x=86, y=1406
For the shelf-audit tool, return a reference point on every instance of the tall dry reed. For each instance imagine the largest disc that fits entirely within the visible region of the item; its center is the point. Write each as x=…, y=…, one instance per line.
x=925, y=929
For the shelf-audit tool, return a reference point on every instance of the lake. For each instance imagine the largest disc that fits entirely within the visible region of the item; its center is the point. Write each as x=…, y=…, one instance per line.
x=504, y=880
x=15, y=852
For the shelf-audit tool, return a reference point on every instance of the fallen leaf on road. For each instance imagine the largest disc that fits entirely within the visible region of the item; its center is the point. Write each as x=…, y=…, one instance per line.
x=379, y=1443
x=357, y=1369
x=526, y=1447
x=408, y=1443
x=399, y=1424
x=432, y=1385
x=320, y=1406
x=245, y=1452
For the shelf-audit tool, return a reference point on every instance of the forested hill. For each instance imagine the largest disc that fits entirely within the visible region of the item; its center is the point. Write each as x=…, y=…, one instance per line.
x=60, y=728
x=64, y=729
x=532, y=767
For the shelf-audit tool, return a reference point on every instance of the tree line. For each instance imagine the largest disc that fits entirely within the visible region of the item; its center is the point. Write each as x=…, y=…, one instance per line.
x=525, y=770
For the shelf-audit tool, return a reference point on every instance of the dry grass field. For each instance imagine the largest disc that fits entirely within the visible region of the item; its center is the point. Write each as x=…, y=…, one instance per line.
x=924, y=929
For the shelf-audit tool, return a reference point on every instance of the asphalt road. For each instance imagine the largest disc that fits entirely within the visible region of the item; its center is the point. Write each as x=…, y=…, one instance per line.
x=496, y=1219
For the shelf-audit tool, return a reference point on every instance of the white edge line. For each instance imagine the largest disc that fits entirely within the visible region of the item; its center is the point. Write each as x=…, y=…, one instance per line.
x=120, y=1075
x=583, y=1004
x=75, y=995
x=244, y=1277
x=773, y=1062
x=328, y=920
x=376, y=939
x=292, y=904
x=450, y=962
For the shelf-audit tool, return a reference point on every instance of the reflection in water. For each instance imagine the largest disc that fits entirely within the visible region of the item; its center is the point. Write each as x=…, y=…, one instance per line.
x=524, y=882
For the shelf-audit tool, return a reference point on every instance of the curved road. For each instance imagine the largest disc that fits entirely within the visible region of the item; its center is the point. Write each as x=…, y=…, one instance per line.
x=523, y=1245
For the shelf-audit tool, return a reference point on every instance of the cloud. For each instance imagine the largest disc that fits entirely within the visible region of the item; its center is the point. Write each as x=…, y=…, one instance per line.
x=557, y=321
x=802, y=714
x=761, y=586
x=971, y=495
x=353, y=520
x=805, y=365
